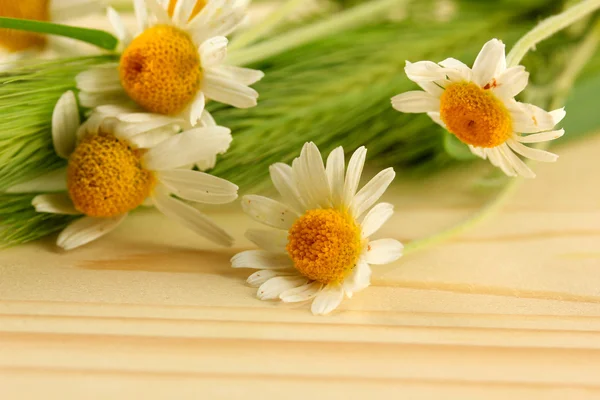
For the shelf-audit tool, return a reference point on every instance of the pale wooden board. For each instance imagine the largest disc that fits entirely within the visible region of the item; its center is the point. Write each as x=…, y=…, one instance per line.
x=511, y=309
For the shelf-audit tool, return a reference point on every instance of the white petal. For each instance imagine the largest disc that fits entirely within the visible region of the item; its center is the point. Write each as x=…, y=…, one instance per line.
x=359, y=279
x=161, y=15
x=272, y=288
x=490, y=62
x=383, y=251
x=372, y=191
x=353, y=174
x=558, y=115
x=196, y=109
x=301, y=293
x=531, y=153
x=245, y=76
x=272, y=240
x=65, y=122
x=435, y=116
x=416, y=102
x=119, y=27
x=283, y=180
x=328, y=299
x=453, y=63
x=528, y=118
x=512, y=82
x=269, y=212
x=87, y=229
x=376, y=217
x=479, y=152
x=497, y=159
x=213, y=51
x=141, y=14
x=187, y=148
x=223, y=22
x=260, y=277
x=55, y=203
x=198, y=186
x=53, y=181
x=541, y=137
x=228, y=91
x=91, y=100
x=427, y=71
x=189, y=217
x=314, y=178
x=431, y=88
x=335, y=175
x=261, y=259
x=516, y=163
x=183, y=11
x=102, y=80
x=127, y=130
x=207, y=120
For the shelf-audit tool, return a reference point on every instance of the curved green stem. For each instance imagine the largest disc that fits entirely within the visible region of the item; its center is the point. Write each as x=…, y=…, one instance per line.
x=549, y=27
x=349, y=19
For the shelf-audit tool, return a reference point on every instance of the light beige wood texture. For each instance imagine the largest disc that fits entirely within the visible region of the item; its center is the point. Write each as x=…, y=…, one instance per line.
x=509, y=310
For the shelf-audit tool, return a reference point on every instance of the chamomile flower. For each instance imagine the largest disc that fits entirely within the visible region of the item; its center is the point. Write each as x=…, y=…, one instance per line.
x=109, y=174
x=477, y=105
x=174, y=64
x=16, y=45
x=320, y=247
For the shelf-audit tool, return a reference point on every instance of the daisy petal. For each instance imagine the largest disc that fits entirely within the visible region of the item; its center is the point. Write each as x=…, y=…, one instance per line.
x=328, y=299
x=183, y=11
x=541, y=137
x=141, y=14
x=161, y=15
x=416, y=102
x=431, y=88
x=87, y=229
x=335, y=175
x=207, y=120
x=353, y=174
x=359, y=279
x=427, y=71
x=54, y=181
x=260, y=277
x=196, y=109
x=383, y=251
x=187, y=148
x=269, y=212
x=272, y=240
x=213, y=51
x=316, y=176
x=283, y=180
x=261, y=259
x=272, y=288
x=558, y=115
x=55, y=203
x=65, y=122
x=531, y=153
x=490, y=62
x=189, y=217
x=528, y=118
x=453, y=63
x=516, y=163
x=245, y=76
x=436, y=117
x=198, y=186
x=372, y=191
x=301, y=293
x=497, y=159
x=228, y=91
x=117, y=24
x=512, y=82
x=375, y=219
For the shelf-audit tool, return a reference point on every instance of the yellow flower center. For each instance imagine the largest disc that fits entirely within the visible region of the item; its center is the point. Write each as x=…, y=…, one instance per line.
x=13, y=40
x=200, y=4
x=324, y=245
x=160, y=70
x=105, y=177
x=475, y=115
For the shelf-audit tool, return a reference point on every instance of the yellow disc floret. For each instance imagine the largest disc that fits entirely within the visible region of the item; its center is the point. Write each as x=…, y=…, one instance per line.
x=160, y=70
x=324, y=245
x=200, y=4
x=13, y=40
x=475, y=115
x=105, y=177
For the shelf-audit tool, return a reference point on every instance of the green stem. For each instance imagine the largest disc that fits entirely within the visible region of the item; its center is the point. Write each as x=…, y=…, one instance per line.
x=579, y=58
x=264, y=27
x=549, y=27
x=349, y=19
x=92, y=36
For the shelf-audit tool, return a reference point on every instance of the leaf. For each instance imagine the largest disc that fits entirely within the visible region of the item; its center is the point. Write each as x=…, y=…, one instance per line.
x=457, y=149
x=95, y=37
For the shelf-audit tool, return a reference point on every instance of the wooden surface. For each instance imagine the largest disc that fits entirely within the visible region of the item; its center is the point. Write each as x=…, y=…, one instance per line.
x=509, y=310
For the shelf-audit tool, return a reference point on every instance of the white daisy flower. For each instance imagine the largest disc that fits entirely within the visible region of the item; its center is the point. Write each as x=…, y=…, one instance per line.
x=109, y=174
x=173, y=65
x=320, y=247
x=477, y=105
x=16, y=45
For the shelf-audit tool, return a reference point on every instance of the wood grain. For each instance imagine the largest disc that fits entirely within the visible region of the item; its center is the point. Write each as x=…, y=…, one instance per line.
x=511, y=309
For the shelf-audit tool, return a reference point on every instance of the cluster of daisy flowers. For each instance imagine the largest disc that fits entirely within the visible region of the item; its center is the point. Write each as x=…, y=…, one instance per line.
x=148, y=140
